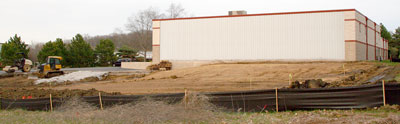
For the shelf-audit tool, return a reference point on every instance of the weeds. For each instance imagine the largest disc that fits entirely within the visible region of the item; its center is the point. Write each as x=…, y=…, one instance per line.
x=397, y=78
x=387, y=62
x=196, y=109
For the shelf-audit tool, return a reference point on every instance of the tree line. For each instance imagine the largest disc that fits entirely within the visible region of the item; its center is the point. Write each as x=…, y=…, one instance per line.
x=76, y=53
x=394, y=41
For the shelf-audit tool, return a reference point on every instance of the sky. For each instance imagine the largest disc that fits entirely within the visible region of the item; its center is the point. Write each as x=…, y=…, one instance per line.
x=44, y=20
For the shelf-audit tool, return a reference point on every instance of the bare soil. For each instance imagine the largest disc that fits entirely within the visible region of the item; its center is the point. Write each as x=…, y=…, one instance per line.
x=238, y=77
x=16, y=81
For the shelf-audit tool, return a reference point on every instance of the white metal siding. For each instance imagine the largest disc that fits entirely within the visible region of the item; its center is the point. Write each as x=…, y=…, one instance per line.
x=316, y=36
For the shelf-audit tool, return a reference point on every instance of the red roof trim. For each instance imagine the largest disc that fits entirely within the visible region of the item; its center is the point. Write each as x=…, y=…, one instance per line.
x=280, y=13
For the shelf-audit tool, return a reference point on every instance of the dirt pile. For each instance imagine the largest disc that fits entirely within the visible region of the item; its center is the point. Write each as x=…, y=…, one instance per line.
x=163, y=65
x=19, y=93
x=357, y=77
x=318, y=83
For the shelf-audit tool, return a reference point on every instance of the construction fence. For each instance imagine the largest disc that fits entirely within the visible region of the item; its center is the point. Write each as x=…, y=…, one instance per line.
x=355, y=97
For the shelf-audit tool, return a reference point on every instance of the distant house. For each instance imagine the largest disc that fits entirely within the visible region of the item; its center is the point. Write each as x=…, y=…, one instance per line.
x=149, y=54
x=138, y=62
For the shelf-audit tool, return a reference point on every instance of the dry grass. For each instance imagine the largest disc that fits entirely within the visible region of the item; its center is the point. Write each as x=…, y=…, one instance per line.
x=197, y=110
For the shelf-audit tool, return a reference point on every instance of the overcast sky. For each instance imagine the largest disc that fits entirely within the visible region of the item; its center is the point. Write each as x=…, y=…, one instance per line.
x=44, y=20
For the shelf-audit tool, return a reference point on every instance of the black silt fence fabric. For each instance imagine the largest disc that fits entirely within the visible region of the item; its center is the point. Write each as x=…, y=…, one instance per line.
x=392, y=94
x=44, y=103
x=258, y=100
x=304, y=99
x=30, y=104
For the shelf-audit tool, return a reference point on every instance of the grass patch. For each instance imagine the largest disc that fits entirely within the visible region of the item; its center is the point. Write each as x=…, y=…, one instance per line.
x=397, y=78
x=387, y=62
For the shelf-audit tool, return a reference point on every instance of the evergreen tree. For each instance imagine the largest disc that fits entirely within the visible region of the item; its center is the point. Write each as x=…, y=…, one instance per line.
x=10, y=49
x=56, y=48
x=80, y=54
x=385, y=33
x=127, y=52
x=394, y=44
x=105, y=52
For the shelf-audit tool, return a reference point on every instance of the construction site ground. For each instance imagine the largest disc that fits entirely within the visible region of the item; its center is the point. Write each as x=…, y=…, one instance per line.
x=215, y=78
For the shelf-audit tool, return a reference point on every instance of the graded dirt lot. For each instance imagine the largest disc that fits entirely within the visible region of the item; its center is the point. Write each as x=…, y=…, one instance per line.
x=238, y=77
x=208, y=78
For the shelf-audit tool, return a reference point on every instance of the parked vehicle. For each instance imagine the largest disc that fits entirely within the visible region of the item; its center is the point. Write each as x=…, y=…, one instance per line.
x=23, y=64
x=119, y=61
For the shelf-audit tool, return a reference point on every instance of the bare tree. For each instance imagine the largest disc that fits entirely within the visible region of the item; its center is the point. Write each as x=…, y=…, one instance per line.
x=118, y=31
x=141, y=25
x=34, y=51
x=175, y=11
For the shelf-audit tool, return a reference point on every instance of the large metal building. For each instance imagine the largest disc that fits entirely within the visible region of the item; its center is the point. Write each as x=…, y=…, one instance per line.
x=331, y=35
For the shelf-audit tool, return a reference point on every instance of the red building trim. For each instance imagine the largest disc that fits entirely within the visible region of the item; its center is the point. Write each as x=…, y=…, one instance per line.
x=372, y=28
x=375, y=41
x=361, y=43
x=356, y=41
x=383, y=45
x=156, y=27
x=362, y=24
x=366, y=36
x=156, y=44
x=279, y=13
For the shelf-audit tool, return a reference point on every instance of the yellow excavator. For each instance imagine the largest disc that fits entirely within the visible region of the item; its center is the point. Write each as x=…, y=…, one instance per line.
x=51, y=68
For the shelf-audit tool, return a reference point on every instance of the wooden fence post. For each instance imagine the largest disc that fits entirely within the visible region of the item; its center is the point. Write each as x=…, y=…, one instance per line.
x=51, y=103
x=186, y=98
x=344, y=70
x=276, y=100
x=383, y=91
x=101, y=103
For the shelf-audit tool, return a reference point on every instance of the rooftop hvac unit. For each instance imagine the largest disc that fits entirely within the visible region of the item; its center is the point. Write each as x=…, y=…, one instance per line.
x=240, y=12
